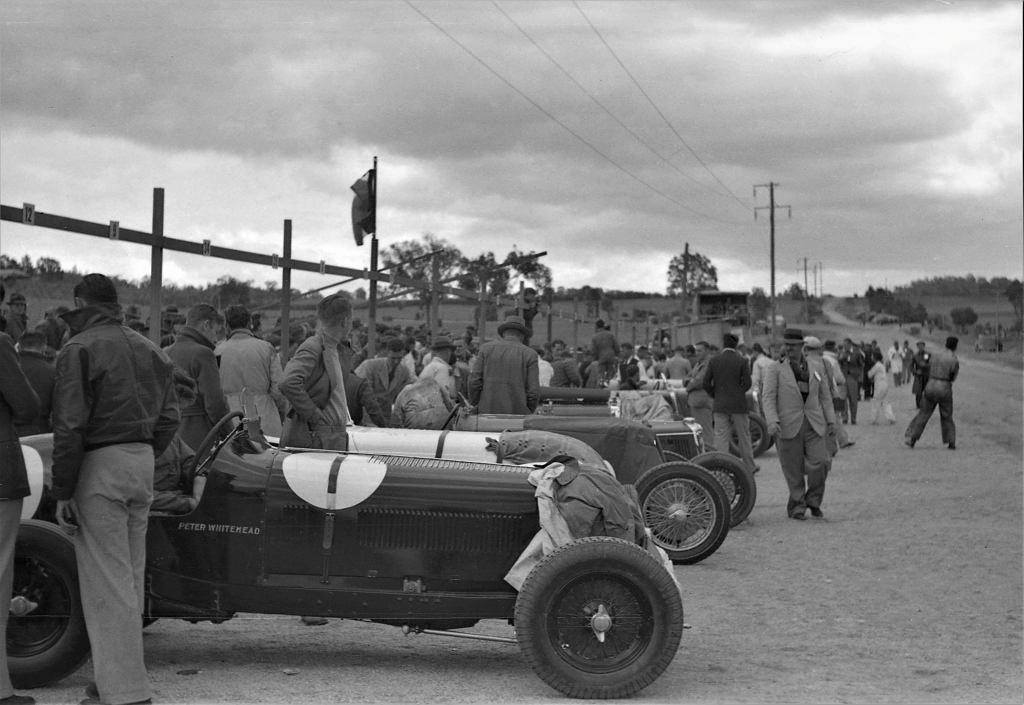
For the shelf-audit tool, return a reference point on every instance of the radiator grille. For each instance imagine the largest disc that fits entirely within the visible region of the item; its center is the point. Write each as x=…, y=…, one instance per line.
x=682, y=443
x=464, y=532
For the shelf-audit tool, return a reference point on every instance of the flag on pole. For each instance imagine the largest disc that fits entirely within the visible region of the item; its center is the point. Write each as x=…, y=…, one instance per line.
x=364, y=206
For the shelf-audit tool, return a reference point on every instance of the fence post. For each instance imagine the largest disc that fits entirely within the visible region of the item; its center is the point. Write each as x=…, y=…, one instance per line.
x=286, y=294
x=156, y=269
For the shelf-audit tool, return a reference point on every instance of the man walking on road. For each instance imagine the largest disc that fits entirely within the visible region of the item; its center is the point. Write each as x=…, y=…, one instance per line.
x=114, y=410
x=938, y=391
x=727, y=381
x=799, y=413
x=852, y=362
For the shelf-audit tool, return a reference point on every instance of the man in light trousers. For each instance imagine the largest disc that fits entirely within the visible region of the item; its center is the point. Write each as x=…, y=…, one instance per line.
x=114, y=410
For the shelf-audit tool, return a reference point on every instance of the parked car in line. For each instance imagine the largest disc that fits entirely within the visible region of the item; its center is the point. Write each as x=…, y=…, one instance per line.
x=418, y=540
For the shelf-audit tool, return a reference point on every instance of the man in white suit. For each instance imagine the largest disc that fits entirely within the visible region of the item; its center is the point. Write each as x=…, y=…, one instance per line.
x=798, y=409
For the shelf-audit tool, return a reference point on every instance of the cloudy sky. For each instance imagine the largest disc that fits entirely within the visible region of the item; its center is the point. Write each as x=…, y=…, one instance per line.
x=606, y=133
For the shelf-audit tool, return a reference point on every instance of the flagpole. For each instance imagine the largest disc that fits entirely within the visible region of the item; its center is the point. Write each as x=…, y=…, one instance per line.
x=371, y=334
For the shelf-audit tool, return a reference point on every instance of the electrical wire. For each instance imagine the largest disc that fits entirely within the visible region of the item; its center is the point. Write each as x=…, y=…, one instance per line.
x=601, y=105
x=656, y=108
x=565, y=127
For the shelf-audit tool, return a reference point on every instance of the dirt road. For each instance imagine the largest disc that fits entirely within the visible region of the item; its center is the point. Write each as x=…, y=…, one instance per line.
x=910, y=591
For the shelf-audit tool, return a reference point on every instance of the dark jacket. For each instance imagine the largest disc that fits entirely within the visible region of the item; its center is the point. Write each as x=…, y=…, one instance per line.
x=727, y=380
x=113, y=386
x=193, y=353
x=307, y=386
x=505, y=378
x=17, y=401
x=41, y=374
x=852, y=362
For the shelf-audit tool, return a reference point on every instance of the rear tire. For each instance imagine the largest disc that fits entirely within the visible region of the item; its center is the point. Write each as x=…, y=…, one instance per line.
x=686, y=509
x=50, y=642
x=738, y=482
x=591, y=586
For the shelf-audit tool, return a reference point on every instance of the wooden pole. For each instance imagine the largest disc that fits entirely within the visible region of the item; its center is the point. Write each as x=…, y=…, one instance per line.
x=286, y=294
x=575, y=322
x=482, y=310
x=371, y=333
x=156, y=269
x=435, y=317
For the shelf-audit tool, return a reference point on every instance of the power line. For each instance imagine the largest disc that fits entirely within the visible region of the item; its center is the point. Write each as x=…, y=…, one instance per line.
x=656, y=108
x=565, y=127
x=601, y=105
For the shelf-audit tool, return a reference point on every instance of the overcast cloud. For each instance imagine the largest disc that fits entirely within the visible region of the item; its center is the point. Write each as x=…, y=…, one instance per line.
x=893, y=129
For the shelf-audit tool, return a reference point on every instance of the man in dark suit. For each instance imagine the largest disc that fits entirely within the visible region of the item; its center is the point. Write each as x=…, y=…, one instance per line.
x=727, y=381
x=799, y=411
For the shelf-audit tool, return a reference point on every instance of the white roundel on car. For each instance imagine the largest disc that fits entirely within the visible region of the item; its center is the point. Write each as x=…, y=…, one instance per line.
x=309, y=476
x=35, y=469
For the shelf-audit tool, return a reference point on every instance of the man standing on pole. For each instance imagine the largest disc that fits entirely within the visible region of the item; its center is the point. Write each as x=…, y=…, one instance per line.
x=114, y=410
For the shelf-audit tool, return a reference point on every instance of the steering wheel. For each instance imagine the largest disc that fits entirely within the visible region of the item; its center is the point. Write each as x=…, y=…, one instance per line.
x=460, y=403
x=208, y=441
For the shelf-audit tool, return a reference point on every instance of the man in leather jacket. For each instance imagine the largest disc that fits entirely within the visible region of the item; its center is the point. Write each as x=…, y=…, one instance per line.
x=114, y=410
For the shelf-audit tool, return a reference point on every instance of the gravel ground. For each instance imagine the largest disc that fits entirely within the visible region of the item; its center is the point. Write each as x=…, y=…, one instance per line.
x=909, y=591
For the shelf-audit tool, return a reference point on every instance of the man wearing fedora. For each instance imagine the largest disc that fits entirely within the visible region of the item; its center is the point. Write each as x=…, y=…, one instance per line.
x=800, y=415
x=505, y=377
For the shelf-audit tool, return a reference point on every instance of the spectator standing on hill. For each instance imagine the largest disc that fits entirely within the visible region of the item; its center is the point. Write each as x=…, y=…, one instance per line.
x=192, y=351
x=919, y=367
x=386, y=375
x=938, y=391
x=114, y=411
x=53, y=328
x=505, y=378
x=18, y=403
x=880, y=405
x=852, y=362
x=42, y=375
x=250, y=365
x=727, y=381
x=798, y=410
x=699, y=400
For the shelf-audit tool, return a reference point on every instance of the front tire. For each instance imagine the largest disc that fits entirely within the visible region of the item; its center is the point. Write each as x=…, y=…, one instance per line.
x=599, y=618
x=686, y=509
x=50, y=642
x=738, y=482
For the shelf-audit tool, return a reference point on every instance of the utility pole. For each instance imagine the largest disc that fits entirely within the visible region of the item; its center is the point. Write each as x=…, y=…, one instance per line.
x=807, y=293
x=771, y=219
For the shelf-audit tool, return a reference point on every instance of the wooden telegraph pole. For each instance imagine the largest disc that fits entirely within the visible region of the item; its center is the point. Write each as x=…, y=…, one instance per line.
x=286, y=293
x=771, y=219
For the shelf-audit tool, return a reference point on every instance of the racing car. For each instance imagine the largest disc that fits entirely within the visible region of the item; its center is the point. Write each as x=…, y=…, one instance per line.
x=420, y=538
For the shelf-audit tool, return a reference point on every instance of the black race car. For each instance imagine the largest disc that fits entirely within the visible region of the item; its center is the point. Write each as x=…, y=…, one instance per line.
x=415, y=538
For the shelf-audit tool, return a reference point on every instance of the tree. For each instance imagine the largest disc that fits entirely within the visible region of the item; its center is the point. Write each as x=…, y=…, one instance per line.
x=1015, y=292
x=963, y=317
x=48, y=265
x=690, y=272
x=397, y=257
x=360, y=294
x=232, y=291
x=795, y=292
